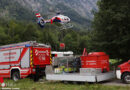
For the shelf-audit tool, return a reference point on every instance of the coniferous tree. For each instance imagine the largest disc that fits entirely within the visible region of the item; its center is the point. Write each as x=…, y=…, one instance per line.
x=112, y=28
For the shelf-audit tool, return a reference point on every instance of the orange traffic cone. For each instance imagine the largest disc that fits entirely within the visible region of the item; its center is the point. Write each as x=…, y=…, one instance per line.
x=2, y=82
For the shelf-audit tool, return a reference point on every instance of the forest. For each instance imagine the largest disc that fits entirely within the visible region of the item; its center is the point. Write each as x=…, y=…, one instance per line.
x=19, y=31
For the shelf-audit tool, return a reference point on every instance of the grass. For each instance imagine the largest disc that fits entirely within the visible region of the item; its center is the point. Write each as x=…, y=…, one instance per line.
x=114, y=61
x=28, y=84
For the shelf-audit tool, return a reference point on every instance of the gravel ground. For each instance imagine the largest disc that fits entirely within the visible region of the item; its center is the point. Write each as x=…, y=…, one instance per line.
x=115, y=83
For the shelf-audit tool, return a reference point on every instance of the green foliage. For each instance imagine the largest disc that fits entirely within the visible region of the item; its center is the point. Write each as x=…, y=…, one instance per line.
x=72, y=41
x=111, y=25
x=27, y=84
x=19, y=31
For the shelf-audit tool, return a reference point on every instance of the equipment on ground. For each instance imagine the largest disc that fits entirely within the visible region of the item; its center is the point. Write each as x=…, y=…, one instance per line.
x=92, y=67
x=96, y=60
x=61, y=53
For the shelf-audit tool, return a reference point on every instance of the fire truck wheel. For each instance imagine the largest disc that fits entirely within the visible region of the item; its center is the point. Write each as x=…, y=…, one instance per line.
x=15, y=76
x=65, y=82
x=74, y=82
x=126, y=78
x=36, y=78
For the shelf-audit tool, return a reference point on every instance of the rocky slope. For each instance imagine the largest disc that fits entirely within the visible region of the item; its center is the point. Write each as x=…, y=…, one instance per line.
x=80, y=11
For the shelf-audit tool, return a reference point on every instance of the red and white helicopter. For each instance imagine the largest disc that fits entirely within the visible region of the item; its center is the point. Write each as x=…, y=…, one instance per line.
x=63, y=20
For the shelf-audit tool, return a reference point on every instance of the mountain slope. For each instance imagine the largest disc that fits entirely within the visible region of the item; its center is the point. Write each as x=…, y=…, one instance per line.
x=82, y=7
x=11, y=9
x=80, y=11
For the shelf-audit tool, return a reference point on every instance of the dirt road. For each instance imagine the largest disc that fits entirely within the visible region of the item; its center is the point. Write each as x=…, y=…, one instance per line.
x=114, y=83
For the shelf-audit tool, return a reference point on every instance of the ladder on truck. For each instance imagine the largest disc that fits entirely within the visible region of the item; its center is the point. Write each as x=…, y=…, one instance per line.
x=26, y=44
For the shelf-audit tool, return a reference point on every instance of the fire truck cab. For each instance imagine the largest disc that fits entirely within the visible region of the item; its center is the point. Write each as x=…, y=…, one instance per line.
x=24, y=59
x=123, y=72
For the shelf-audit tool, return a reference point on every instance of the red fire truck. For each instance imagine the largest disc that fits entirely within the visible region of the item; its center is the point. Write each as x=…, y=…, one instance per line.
x=24, y=59
x=123, y=72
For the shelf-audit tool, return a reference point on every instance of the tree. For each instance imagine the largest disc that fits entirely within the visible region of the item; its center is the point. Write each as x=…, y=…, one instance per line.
x=30, y=33
x=71, y=41
x=111, y=25
x=3, y=36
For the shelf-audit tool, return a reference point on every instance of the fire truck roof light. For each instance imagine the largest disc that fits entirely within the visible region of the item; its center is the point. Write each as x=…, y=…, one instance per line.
x=27, y=45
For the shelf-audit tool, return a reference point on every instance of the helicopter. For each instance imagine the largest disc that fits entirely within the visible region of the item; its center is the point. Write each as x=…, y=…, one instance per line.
x=62, y=19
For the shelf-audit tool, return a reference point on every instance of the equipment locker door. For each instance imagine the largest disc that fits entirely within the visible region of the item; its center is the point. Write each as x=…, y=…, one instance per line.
x=41, y=56
x=25, y=57
x=4, y=60
x=15, y=57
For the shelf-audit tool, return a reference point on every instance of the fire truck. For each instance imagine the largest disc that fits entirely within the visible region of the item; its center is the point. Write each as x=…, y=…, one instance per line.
x=24, y=59
x=123, y=72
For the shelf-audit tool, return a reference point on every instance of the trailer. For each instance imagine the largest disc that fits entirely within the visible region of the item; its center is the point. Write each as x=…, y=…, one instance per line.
x=81, y=77
x=94, y=67
x=24, y=59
